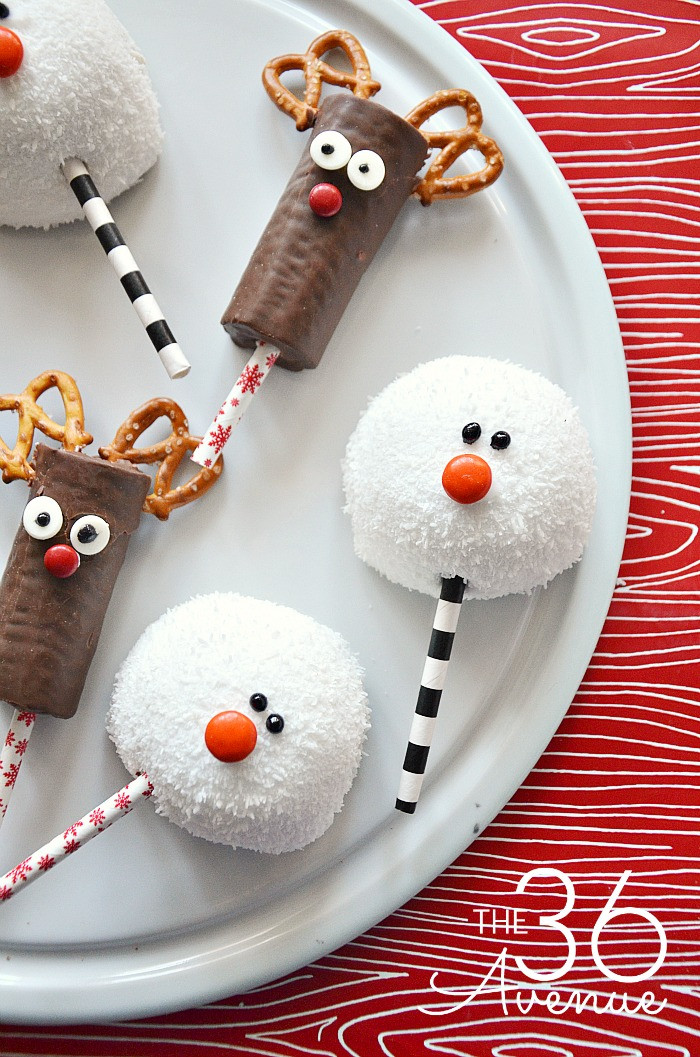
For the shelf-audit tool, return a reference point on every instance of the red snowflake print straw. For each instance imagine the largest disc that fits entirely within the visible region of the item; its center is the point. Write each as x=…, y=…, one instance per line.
x=16, y=741
x=236, y=404
x=73, y=838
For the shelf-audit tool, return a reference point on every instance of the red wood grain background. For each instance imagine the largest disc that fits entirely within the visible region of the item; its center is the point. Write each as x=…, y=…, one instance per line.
x=613, y=89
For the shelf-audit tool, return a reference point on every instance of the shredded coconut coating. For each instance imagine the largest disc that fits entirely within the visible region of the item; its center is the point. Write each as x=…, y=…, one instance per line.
x=534, y=521
x=209, y=655
x=82, y=91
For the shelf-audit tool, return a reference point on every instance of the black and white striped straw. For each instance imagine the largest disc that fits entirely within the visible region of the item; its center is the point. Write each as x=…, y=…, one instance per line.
x=126, y=268
x=432, y=682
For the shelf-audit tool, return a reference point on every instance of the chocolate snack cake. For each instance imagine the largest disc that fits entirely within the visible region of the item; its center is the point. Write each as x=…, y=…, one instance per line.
x=306, y=266
x=51, y=620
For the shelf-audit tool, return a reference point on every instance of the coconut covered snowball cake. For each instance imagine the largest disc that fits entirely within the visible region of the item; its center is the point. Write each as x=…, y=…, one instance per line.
x=472, y=467
x=72, y=85
x=248, y=717
x=467, y=478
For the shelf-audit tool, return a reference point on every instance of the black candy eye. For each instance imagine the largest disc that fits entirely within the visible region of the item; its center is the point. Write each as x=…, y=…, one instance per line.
x=471, y=432
x=274, y=723
x=500, y=440
x=258, y=702
x=4, y=11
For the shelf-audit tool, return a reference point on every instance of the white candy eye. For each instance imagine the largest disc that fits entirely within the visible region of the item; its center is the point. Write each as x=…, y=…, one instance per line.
x=366, y=170
x=330, y=150
x=89, y=534
x=42, y=517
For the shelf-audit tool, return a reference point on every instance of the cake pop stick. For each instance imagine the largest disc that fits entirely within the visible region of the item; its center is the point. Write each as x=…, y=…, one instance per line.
x=74, y=86
x=127, y=271
x=73, y=538
x=362, y=164
x=271, y=770
x=16, y=741
x=469, y=478
x=430, y=693
x=76, y=836
x=236, y=404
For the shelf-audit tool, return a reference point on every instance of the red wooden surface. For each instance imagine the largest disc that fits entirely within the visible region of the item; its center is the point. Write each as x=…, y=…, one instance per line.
x=613, y=90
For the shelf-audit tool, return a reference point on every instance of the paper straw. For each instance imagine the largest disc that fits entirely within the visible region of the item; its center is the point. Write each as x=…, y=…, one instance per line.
x=82, y=831
x=16, y=741
x=432, y=682
x=126, y=268
x=236, y=404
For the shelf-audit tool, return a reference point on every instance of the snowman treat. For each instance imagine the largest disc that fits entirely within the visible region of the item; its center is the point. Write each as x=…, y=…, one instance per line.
x=466, y=478
x=243, y=720
x=78, y=112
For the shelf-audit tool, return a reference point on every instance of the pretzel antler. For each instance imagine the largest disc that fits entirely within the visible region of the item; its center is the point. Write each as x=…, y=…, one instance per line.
x=316, y=73
x=169, y=453
x=452, y=145
x=15, y=463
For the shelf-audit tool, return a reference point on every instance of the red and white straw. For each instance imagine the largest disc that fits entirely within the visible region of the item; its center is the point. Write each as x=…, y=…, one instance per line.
x=236, y=404
x=16, y=741
x=82, y=831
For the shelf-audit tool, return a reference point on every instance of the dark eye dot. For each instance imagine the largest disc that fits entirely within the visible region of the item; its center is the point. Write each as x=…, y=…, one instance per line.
x=274, y=723
x=4, y=11
x=43, y=519
x=500, y=440
x=327, y=148
x=87, y=534
x=471, y=432
x=364, y=167
x=258, y=702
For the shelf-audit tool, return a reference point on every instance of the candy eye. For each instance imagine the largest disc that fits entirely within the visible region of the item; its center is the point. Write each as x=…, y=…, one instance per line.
x=274, y=723
x=42, y=517
x=258, y=702
x=366, y=170
x=330, y=150
x=500, y=440
x=89, y=534
x=471, y=432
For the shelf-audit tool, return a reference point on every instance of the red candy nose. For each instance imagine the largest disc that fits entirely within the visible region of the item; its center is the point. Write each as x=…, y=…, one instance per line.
x=230, y=736
x=325, y=200
x=11, y=52
x=61, y=560
x=466, y=478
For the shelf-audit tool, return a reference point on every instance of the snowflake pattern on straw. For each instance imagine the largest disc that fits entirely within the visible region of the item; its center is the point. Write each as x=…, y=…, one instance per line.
x=13, y=751
x=235, y=405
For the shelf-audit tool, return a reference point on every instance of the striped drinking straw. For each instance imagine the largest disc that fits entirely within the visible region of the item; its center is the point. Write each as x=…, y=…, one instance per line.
x=126, y=268
x=432, y=682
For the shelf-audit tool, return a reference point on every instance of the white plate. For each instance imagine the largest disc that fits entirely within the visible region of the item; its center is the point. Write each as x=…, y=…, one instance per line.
x=147, y=919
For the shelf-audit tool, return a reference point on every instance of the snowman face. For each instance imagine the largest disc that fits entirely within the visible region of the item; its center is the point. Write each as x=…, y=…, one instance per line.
x=73, y=84
x=470, y=467
x=248, y=718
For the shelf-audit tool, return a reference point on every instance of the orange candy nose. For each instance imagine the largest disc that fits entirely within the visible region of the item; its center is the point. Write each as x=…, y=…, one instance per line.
x=11, y=52
x=230, y=736
x=466, y=478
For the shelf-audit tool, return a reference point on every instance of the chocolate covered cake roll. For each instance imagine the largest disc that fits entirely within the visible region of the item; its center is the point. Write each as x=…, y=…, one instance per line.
x=61, y=573
x=327, y=227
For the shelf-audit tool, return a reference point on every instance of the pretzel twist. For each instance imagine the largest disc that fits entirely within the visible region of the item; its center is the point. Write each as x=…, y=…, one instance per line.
x=452, y=144
x=15, y=463
x=316, y=73
x=169, y=453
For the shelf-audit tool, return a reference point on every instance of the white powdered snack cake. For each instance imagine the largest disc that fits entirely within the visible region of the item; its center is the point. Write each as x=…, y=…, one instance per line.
x=72, y=85
x=515, y=433
x=467, y=478
x=248, y=717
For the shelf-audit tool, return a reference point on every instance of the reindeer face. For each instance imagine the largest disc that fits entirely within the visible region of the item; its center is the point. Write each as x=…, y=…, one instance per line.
x=287, y=695
x=72, y=84
x=470, y=467
x=61, y=574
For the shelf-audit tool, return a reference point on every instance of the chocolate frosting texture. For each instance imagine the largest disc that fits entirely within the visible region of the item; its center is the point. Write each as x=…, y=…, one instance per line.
x=49, y=627
x=305, y=268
